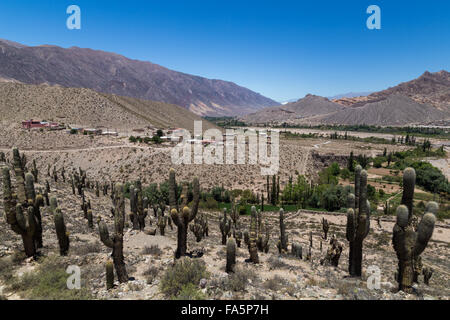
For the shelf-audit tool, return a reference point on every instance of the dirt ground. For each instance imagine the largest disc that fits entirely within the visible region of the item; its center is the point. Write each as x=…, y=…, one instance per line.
x=275, y=277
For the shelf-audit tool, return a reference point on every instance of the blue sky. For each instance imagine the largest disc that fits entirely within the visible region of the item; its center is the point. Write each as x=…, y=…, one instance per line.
x=281, y=49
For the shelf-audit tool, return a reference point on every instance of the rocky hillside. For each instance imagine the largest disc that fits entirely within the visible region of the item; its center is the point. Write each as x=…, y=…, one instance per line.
x=425, y=100
x=429, y=88
x=309, y=106
x=394, y=110
x=88, y=108
x=115, y=74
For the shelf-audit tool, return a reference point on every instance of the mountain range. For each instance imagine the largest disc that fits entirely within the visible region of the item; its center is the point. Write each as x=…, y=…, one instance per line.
x=425, y=100
x=115, y=74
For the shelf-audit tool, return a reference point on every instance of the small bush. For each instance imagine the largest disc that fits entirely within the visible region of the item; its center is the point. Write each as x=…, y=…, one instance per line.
x=183, y=272
x=150, y=274
x=238, y=280
x=48, y=282
x=190, y=292
x=152, y=250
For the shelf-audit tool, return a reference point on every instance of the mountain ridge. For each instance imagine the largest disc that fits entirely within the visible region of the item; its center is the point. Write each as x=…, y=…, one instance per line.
x=113, y=73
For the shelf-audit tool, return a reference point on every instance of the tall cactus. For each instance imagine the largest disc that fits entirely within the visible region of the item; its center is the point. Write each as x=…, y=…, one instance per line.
x=162, y=221
x=60, y=227
x=36, y=201
x=35, y=171
x=263, y=237
x=231, y=255
x=358, y=221
x=109, y=274
x=225, y=227
x=325, y=227
x=20, y=206
x=252, y=248
x=283, y=241
x=410, y=240
x=116, y=241
x=182, y=216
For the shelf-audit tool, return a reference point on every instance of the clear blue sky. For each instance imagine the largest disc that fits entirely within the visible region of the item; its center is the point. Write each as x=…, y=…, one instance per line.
x=281, y=49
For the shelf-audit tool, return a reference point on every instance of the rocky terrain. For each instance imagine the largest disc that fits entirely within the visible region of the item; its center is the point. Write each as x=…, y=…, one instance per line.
x=276, y=276
x=87, y=108
x=115, y=74
x=422, y=101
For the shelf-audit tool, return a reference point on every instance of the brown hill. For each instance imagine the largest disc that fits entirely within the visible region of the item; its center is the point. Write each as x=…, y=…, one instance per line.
x=429, y=88
x=393, y=111
x=89, y=108
x=115, y=74
x=309, y=106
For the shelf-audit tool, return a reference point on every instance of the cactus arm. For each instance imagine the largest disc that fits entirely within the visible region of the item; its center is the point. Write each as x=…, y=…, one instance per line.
x=104, y=234
x=409, y=180
x=424, y=232
x=173, y=190
x=350, y=231
x=196, y=200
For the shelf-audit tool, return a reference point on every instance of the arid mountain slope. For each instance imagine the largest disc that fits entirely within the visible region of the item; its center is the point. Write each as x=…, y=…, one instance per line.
x=429, y=88
x=115, y=74
x=87, y=107
x=394, y=110
x=309, y=106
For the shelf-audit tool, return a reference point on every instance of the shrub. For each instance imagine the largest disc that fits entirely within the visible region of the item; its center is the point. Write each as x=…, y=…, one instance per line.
x=190, y=292
x=238, y=280
x=49, y=282
x=183, y=272
x=150, y=274
x=153, y=250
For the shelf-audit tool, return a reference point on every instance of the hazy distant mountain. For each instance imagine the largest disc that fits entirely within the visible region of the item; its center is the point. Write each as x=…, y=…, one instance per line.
x=350, y=95
x=309, y=106
x=112, y=73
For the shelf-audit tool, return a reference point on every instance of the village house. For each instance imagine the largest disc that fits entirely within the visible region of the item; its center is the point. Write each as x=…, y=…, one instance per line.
x=32, y=123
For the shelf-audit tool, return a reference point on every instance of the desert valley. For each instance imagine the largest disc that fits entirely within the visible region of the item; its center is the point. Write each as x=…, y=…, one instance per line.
x=359, y=208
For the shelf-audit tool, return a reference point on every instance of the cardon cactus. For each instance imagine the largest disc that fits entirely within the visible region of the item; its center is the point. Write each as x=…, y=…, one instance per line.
x=237, y=234
x=61, y=232
x=234, y=213
x=262, y=241
x=283, y=241
x=325, y=227
x=109, y=274
x=134, y=207
x=225, y=227
x=36, y=201
x=297, y=250
x=333, y=254
x=410, y=240
x=231, y=255
x=116, y=241
x=182, y=216
x=35, y=171
x=20, y=206
x=252, y=248
x=90, y=219
x=427, y=273
x=162, y=222
x=358, y=221
x=199, y=227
